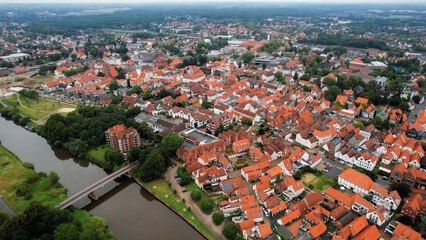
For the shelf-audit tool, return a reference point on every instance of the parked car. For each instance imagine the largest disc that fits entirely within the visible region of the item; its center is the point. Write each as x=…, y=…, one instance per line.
x=176, y=176
x=326, y=170
x=385, y=178
x=329, y=166
x=184, y=190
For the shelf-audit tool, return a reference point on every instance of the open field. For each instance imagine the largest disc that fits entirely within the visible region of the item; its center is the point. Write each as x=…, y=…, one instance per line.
x=43, y=79
x=399, y=16
x=319, y=183
x=165, y=192
x=13, y=175
x=106, y=10
x=37, y=109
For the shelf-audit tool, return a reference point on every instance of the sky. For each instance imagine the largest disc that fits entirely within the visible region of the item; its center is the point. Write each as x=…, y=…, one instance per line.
x=202, y=1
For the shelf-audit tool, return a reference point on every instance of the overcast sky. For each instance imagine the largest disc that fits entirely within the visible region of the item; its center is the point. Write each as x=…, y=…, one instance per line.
x=202, y=1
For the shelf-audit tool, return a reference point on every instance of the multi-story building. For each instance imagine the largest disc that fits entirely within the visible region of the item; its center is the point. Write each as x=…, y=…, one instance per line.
x=121, y=138
x=214, y=122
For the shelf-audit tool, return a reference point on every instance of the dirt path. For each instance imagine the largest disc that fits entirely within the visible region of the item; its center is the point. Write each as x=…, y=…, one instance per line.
x=19, y=101
x=205, y=219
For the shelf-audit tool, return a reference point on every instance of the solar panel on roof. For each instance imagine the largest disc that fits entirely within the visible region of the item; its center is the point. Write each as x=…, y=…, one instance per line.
x=382, y=210
x=227, y=187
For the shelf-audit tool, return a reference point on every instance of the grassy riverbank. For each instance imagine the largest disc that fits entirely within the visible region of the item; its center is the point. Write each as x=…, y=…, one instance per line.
x=14, y=176
x=163, y=191
x=20, y=185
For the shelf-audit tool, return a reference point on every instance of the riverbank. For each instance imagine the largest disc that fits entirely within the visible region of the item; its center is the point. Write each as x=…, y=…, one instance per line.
x=20, y=185
x=161, y=190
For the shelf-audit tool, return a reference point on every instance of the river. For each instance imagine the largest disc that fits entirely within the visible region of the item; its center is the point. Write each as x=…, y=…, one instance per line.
x=131, y=212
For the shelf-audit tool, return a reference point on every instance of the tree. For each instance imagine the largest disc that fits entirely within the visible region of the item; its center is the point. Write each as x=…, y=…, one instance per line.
x=171, y=143
x=247, y=122
x=114, y=157
x=101, y=74
x=279, y=77
x=3, y=217
x=53, y=178
x=207, y=205
x=153, y=167
x=332, y=93
x=133, y=154
x=207, y=105
x=329, y=81
x=403, y=189
x=247, y=57
x=196, y=194
x=406, y=220
x=145, y=131
x=43, y=70
x=416, y=99
x=67, y=231
x=95, y=229
x=359, y=125
x=113, y=85
x=230, y=231
x=218, y=218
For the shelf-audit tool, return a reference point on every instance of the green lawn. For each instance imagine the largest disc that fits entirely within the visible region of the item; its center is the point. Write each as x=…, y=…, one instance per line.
x=37, y=108
x=43, y=79
x=97, y=155
x=13, y=174
x=319, y=183
x=399, y=16
x=191, y=187
x=162, y=189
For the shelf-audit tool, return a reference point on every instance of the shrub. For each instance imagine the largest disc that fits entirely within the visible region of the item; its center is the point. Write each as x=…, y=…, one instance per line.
x=207, y=206
x=218, y=218
x=28, y=165
x=22, y=190
x=32, y=177
x=28, y=196
x=174, y=191
x=196, y=195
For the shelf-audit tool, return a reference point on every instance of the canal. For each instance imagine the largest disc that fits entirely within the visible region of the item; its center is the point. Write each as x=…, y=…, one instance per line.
x=131, y=212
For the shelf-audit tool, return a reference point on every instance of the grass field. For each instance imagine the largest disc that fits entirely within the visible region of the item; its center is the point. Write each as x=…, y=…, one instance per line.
x=162, y=189
x=399, y=16
x=37, y=109
x=97, y=155
x=43, y=79
x=13, y=174
x=319, y=183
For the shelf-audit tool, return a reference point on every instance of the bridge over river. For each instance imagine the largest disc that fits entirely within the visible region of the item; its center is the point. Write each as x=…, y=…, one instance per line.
x=90, y=190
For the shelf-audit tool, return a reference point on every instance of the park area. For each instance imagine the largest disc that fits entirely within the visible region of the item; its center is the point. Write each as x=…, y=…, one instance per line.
x=317, y=182
x=43, y=78
x=163, y=190
x=39, y=108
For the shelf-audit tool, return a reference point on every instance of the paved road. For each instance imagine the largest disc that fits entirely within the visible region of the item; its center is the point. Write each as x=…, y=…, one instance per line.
x=416, y=111
x=95, y=186
x=5, y=208
x=338, y=168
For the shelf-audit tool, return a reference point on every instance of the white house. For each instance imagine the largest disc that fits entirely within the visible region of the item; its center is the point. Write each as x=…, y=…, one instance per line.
x=378, y=216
